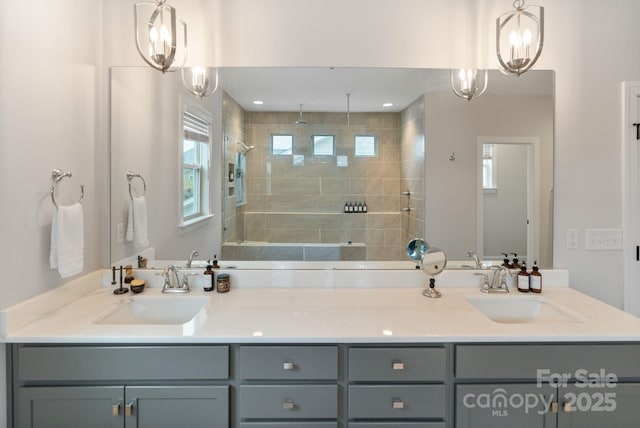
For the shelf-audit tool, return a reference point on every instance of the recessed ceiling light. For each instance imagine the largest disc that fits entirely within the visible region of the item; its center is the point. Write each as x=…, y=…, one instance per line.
x=387, y=105
x=258, y=102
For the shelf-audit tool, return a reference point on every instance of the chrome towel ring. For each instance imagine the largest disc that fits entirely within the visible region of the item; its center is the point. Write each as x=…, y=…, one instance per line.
x=130, y=176
x=57, y=175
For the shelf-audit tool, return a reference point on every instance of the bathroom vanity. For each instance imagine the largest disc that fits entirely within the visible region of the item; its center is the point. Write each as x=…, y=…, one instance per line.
x=324, y=357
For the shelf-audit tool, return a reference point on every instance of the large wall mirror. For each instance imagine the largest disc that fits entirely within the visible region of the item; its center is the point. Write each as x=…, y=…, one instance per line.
x=323, y=164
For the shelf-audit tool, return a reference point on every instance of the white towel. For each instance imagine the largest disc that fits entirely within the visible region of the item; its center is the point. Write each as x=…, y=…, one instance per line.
x=137, y=223
x=67, y=240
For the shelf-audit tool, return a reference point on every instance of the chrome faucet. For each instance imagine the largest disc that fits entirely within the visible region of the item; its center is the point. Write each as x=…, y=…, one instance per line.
x=172, y=283
x=498, y=283
x=476, y=260
x=193, y=254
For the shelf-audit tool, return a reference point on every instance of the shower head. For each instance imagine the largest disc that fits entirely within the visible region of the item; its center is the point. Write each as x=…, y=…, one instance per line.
x=242, y=147
x=301, y=121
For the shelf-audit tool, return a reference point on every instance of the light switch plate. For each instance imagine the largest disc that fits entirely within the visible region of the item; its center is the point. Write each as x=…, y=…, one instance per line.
x=604, y=239
x=572, y=239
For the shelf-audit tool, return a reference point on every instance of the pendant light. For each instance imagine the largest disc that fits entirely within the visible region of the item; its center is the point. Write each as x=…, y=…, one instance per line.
x=519, y=38
x=469, y=83
x=200, y=81
x=161, y=36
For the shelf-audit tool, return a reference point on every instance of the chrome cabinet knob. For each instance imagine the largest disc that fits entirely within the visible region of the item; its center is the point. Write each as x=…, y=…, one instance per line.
x=289, y=405
x=288, y=366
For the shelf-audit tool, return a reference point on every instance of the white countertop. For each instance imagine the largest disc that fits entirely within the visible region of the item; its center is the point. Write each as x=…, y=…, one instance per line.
x=311, y=315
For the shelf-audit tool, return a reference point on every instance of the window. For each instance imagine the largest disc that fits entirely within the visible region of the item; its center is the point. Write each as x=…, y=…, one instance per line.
x=281, y=144
x=366, y=145
x=323, y=145
x=195, y=167
x=489, y=167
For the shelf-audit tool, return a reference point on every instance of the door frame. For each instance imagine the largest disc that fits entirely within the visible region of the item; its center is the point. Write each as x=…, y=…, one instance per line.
x=630, y=196
x=533, y=197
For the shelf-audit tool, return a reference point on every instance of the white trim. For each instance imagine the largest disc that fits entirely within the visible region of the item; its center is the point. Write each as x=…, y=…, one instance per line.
x=533, y=202
x=630, y=199
x=188, y=105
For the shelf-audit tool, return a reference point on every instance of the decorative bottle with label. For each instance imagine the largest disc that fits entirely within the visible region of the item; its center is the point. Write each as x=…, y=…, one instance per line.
x=523, y=279
x=209, y=284
x=535, y=279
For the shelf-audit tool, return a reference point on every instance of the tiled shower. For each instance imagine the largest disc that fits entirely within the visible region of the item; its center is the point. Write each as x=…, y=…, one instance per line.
x=294, y=206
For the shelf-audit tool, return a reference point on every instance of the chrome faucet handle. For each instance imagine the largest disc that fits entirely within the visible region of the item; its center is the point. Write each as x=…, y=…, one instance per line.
x=485, y=282
x=185, y=280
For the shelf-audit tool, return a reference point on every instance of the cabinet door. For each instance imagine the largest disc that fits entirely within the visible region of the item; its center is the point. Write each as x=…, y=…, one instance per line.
x=70, y=407
x=505, y=406
x=600, y=407
x=177, y=406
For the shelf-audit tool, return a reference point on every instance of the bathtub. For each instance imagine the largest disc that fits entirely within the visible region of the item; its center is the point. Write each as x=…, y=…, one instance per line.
x=274, y=251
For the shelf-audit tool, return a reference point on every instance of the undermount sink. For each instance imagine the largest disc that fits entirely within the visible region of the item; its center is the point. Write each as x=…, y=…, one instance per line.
x=512, y=309
x=164, y=310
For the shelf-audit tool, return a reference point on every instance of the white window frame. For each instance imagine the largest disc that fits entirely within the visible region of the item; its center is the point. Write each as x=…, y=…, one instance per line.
x=281, y=135
x=333, y=144
x=375, y=145
x=489, y=168
x=196, y=125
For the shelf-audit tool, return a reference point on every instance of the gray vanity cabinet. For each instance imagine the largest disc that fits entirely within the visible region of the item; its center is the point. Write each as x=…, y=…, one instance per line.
x=585, y=408
x=397, y=386
x=288, y=386
x=70, y=407
x=121, y=386
x=547, y=385
x=123, y=407
x=488, y=405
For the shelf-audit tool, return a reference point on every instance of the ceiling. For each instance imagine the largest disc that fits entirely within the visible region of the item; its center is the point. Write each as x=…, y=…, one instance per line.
x=325, y=89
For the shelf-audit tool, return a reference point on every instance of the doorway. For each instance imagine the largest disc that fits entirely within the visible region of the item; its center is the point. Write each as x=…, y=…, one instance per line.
x=507, y=194
x=631, y=196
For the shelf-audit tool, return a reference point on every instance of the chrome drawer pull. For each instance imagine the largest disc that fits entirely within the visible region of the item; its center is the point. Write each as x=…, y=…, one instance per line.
x=115, y=410
x=289, y=405
x=128, y=409
x=398, y=366
x=566, y=407
x=288, y=366
x=398, y=404
x=554, y=407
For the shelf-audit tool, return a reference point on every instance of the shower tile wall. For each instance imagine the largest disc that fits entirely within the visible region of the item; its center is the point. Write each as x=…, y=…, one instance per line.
x=233, y=117
x=412, y=158
x=304, y=203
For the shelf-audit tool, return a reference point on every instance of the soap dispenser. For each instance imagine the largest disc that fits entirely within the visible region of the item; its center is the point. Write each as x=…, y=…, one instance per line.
x=515, y=263
x=523, y=279
x=505, y=261
x=535, y=279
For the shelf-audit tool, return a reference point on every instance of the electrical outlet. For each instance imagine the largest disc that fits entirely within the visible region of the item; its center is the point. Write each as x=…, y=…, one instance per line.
x=120, y=229
x=604, y=239
x=572, y=239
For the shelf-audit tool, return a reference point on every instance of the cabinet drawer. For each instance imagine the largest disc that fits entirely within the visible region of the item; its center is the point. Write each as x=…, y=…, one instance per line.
x=289, y=425
x=289, y=362
x=396, y=401
x=523, y=361
x=397, y=425
x=397, y=364
x=289, y=402
x=68, y=363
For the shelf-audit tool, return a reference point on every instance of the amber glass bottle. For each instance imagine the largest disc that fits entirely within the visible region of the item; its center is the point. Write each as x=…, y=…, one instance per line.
x=523, y=279
x=535, y=279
